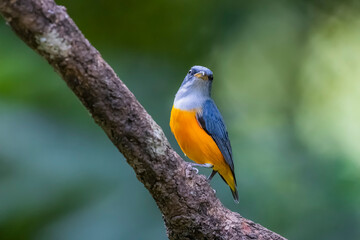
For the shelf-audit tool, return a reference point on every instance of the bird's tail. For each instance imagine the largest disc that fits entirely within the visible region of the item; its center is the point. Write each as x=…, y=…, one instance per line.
x=230, y=180
x=235, y=194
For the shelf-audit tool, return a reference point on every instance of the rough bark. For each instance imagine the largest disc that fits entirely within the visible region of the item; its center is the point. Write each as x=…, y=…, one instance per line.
x=189, y=206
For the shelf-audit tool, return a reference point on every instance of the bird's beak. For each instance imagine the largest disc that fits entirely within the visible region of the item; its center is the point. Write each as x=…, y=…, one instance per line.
x=202, y=75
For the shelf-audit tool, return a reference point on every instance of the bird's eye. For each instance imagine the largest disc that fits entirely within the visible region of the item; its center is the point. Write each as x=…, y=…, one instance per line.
x=190, y=71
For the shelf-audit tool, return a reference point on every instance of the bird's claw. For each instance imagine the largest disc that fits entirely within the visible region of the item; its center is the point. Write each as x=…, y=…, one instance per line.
x=195, y=169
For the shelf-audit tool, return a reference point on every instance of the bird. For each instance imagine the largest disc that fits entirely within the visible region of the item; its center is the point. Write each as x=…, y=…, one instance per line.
x=199, y=128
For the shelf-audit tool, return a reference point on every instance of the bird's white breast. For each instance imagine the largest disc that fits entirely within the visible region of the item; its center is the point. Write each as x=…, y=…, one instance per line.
x=191, y=97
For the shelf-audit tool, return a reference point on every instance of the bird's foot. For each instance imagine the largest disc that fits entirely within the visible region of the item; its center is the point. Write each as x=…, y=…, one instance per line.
x=194, y=165
x=206, y=165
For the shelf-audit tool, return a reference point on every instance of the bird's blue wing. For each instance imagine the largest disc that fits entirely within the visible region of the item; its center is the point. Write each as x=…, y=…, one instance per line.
x=212, y=122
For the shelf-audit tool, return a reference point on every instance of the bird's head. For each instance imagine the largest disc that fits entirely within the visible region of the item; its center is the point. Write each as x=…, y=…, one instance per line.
x=199, y=75
x=198, y=79
x=195, y=89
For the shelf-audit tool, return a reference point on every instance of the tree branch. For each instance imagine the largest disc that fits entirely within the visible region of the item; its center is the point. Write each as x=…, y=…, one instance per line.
x=189, y=206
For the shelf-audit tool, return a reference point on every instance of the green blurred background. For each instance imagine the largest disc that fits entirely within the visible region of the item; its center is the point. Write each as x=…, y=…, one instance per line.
x=286, y=80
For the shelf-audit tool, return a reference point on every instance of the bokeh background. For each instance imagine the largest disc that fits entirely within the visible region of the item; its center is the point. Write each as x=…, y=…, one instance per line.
x=286, y=79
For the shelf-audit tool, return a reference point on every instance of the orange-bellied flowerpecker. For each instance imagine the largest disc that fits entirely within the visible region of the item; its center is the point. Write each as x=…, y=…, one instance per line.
x=199, y=127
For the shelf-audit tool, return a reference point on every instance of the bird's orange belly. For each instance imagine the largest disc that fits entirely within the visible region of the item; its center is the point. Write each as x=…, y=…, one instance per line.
x=193, y=140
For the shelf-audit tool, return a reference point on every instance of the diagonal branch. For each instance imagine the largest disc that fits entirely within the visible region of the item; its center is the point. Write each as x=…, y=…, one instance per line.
x=189, y=206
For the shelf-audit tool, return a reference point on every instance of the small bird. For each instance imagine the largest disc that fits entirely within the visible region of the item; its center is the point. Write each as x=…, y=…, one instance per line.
x=199, y=128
